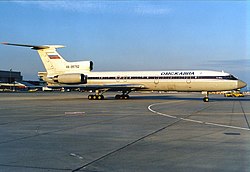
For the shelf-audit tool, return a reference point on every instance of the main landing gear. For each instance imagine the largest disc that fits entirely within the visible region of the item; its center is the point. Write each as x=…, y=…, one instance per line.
x=121, y=96
x=97, y=96
x=124, y=95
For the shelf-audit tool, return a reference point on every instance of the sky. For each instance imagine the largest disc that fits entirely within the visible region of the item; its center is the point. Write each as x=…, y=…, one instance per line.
x=129, y=35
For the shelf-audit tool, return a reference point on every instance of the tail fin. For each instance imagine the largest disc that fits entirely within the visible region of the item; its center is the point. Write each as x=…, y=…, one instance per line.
x=54, y=62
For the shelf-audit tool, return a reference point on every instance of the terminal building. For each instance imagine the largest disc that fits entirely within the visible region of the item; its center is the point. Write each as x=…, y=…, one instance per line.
x=13, y=81
x=10, y=76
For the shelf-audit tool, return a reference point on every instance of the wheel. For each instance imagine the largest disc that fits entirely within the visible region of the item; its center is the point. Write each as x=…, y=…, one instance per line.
x=90, y=97
x=94, y=97
x=126, y=97
x=117, y=96
x=121, y=96
x=100, y=97
x=206, y=99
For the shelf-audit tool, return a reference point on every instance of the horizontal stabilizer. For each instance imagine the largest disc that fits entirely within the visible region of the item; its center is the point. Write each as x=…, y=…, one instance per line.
x=35, y=47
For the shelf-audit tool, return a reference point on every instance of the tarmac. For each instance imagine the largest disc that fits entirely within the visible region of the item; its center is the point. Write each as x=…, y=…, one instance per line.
x=149, y=132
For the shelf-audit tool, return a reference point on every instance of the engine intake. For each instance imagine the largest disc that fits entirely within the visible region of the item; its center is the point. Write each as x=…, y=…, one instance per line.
x=72, y=78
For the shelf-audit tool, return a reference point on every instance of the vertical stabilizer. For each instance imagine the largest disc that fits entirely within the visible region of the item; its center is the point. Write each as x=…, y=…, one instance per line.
x=52, y=60
x=54, y=63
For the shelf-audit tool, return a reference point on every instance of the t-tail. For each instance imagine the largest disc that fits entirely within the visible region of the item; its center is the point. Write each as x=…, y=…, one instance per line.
x=55, y=64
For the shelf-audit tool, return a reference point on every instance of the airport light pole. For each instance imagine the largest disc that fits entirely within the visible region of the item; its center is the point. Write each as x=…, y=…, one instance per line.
x=10, y=81
x=10, y=78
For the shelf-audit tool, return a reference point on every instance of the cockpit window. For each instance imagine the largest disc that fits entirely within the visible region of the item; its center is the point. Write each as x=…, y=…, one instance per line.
x=231, y=77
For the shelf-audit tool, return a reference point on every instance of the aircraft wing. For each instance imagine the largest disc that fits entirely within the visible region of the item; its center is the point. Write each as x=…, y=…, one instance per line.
x=107, y=87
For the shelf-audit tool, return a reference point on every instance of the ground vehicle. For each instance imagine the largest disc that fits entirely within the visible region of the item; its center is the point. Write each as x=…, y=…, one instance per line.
x=233, y=94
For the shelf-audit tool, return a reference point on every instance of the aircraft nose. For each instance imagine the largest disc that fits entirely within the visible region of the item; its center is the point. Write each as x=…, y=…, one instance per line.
x=241, y=84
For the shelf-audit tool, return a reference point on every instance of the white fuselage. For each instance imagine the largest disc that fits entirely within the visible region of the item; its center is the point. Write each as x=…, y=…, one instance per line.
x=188, y=80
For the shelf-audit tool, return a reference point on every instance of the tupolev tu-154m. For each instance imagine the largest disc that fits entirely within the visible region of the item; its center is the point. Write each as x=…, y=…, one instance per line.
x=60, y=73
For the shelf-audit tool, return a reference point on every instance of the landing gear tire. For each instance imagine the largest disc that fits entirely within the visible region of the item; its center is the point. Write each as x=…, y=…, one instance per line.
x=90, y=97
x=206, y=99
x=95, y=97
x=126, y=97
x=100, y=97
x=121, y=96
x=117, y=96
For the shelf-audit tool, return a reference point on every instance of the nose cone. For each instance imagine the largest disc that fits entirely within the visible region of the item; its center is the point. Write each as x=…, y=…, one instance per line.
x=241, y=84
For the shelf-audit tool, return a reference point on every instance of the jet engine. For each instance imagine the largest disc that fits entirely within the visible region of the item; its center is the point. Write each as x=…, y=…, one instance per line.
x=71, y=78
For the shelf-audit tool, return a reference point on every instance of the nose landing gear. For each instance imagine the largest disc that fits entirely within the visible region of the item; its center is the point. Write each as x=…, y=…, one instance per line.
x=206, y=99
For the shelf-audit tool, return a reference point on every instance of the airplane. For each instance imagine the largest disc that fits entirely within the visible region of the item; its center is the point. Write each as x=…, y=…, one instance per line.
x=62, y=74
x=13, y=85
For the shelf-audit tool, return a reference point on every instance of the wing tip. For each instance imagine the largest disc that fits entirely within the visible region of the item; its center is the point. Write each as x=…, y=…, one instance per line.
x=5, y=43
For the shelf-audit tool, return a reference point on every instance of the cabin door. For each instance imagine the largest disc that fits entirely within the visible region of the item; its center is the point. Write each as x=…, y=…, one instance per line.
x=156, y=80
x=188, y=80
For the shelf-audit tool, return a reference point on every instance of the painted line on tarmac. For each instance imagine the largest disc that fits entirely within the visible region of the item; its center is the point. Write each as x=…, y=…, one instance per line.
x=76, y=155
x=190, y=120
x=74, y=113
x=163, y=114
